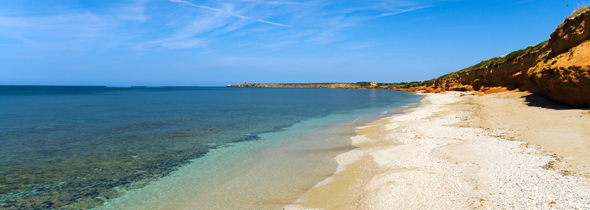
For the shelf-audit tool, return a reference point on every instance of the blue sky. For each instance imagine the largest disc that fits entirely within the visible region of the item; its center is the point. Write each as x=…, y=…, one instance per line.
x=217, y=42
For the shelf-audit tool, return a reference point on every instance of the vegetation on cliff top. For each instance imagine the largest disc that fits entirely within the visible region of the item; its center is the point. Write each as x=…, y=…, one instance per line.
x=581, y=8
x=499, y=59
x=483, y=64
x=521, y=52
x=557, y=69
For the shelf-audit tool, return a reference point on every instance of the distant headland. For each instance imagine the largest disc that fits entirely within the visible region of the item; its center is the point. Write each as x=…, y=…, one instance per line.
x=558, y=68
x=358, y=85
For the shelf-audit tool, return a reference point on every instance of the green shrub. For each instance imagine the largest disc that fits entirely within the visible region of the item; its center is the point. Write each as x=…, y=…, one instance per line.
x=517, y=53
x=403, y=84
x=499, y=59
x=363, y=83
x=581, y=8
x=448, y=75
x=540, y=45
x=488, y=62
x=521, y=52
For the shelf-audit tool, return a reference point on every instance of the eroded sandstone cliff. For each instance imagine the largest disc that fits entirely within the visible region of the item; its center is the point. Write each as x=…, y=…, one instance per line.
x=558, y=69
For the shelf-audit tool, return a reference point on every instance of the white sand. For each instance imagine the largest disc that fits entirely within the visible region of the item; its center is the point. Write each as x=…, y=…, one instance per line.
x=438, y=156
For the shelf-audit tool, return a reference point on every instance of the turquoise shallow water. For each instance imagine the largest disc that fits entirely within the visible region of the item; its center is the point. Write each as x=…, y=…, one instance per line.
x=77, y=147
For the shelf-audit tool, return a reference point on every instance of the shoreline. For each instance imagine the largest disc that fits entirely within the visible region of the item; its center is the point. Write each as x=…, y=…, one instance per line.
x=265, y=174
x=233, y=175
x=454, y=152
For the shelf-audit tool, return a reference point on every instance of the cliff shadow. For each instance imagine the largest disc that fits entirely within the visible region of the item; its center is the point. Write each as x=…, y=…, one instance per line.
x=537, y=100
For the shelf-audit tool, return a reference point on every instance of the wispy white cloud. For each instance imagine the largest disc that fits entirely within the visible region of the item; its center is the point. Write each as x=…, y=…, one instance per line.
x=210, y=22
x=183, y=44
x=177, y=24
x=186, y=36
x=133, y=12
x=202, y=24
x=275, y=2
x=194, y=5
x=279, y=44
x=358, y=45
x=72, y=26
x=404, y=10
x=230, y=13
x=207, y=52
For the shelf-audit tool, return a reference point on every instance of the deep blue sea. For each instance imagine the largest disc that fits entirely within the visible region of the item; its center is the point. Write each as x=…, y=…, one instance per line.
x=68, y=147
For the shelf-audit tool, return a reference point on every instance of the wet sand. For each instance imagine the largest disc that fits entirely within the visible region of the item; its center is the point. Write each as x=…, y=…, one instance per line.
x=505, y=150
x=250, y=175
x=265, y=174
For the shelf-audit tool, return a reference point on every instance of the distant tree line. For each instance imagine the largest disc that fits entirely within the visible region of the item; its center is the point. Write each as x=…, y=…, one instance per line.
x=362, y=84
x=366, y=84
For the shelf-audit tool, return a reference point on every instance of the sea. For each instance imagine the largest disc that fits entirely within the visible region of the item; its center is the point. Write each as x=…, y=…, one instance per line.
x=78, y=147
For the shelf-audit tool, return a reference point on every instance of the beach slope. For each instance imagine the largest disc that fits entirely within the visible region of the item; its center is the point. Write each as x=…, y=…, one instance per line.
x=505, y=150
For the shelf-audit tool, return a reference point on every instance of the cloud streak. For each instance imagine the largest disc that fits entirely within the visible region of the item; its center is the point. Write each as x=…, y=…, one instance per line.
x=71, y=27
x=181, y=24
x=404, y=11
x=230, y=13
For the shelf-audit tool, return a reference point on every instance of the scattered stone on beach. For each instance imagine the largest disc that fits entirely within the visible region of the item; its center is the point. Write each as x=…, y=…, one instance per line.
x=438, y=156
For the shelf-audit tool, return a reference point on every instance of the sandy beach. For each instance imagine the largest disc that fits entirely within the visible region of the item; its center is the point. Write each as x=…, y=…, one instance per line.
x=510, y=150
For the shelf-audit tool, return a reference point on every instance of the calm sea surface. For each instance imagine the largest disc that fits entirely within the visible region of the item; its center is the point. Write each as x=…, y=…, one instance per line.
x=69, y=147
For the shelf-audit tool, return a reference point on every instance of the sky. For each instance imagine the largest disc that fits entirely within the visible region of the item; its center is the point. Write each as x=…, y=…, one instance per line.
x=219, y=42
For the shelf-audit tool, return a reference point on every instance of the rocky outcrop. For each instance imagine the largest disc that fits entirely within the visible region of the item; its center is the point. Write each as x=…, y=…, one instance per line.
x=569, y=85
x=564, y=78
x=570, y=33
x=558, y=70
